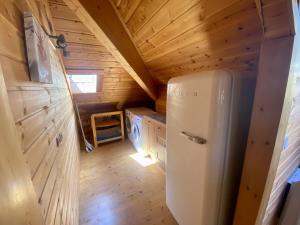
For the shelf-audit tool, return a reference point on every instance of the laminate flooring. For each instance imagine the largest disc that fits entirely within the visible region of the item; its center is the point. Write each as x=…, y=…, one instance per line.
x=117, y=190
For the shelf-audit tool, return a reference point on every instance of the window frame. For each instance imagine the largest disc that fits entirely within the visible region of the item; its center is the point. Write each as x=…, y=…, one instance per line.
x=98, y=73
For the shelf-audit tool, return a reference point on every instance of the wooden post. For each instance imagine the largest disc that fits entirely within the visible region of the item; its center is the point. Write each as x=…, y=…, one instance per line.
x=273, y=73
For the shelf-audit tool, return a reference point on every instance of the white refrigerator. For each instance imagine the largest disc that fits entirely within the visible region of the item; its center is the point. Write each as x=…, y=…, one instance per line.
x=208, y=118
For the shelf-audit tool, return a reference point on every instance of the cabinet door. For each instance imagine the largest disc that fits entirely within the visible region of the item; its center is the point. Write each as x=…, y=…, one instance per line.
x=161, y=131
x=155, y=140
x=146, y=140
x=160, y=144
x=152, y=147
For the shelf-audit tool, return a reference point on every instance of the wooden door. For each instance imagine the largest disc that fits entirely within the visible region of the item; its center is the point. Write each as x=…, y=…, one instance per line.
x=17, y=196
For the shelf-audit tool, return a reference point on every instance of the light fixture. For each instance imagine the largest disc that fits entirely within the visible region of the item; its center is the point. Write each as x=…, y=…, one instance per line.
x=60, y=43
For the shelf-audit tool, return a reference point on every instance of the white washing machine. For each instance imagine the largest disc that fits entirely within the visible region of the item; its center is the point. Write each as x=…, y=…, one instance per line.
x=134, y=128
x=137, y=132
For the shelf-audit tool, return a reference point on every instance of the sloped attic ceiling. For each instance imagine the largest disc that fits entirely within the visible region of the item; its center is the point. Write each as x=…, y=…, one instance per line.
x=87, y=53
x=176, y=37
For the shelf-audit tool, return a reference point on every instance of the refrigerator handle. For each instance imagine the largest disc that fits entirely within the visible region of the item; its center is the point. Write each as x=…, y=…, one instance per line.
x=196, y=139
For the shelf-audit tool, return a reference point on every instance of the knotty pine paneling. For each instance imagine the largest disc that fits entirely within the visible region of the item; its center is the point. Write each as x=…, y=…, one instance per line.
x=127, y=8
x=16, y=184
x=286, y=155
x=161, y=102
x=180, y=37
x=41, y=112
x=87, y=53
x=108, y=100
x=271, y=111
x=118, y=88
x=289, y=160
x=276, y=18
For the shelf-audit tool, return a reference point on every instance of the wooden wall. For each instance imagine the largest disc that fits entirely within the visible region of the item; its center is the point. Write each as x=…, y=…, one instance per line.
x=87, y=53
x=15, y=179
x=177, y=37
x=161, y=102
x=41, y=112
x=180, y=37
x=289, y=157
x=117, y=88
x=286, y=154
x=269, y=121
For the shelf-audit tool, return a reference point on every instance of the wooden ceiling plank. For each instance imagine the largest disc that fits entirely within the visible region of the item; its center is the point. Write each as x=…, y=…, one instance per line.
x=201, y=33
x=166, y=31
x=167, y=15
x=144, y=13
x=166, y=37
x=244, y=69
x=126, y=8
x=195, y=52
x=102, y=20
x=203, y=48
x=194, y=17
x=244, y=62
x=219, y=55
x=197, y=17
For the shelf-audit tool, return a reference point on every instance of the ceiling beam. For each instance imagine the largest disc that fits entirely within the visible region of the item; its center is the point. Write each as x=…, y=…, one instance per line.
x=102, y=20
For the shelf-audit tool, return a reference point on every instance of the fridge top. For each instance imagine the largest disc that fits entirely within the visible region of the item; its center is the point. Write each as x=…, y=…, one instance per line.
x=196, y=76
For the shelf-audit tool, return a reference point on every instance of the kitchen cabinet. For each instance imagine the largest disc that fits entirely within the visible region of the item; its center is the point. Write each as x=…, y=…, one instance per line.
x=155, y=139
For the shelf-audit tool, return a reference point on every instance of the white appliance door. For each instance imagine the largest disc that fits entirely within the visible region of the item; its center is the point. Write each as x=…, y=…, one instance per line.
x=137, y=134
x=197, y=105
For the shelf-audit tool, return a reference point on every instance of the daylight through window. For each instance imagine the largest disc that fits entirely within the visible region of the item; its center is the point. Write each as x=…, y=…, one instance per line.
x=83, y=83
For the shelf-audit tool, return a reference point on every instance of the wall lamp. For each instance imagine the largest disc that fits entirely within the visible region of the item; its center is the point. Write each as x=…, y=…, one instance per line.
x=60, y=43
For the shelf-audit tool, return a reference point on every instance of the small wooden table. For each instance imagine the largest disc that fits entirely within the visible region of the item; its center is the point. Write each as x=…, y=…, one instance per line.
x=108, y=126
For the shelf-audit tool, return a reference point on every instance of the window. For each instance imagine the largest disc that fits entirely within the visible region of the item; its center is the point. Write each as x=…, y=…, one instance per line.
x=85, y=83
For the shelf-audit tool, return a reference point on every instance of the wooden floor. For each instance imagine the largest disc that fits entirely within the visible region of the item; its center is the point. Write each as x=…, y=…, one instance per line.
x=116, y=190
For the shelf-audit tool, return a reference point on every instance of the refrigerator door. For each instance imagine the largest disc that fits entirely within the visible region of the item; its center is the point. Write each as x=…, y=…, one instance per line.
x=198, y=108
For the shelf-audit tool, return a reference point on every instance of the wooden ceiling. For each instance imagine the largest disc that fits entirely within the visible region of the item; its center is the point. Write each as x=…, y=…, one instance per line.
x=176, y=37
x=173, y=37
x=87, y=53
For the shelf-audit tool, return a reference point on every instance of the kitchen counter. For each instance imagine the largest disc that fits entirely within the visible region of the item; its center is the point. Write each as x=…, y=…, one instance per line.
x=158, y=117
